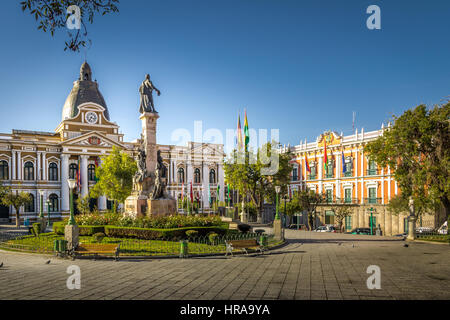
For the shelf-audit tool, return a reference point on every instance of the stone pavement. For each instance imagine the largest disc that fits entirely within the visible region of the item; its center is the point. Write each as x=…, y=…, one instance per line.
x=311, y=266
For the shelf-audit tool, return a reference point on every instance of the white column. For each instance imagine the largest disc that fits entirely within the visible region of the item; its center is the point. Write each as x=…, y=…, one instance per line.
x=13, y=166
x=38, y=166
x=356, y=174
x=220, y=179
x=19, y=165
x=102, y=203
x=190, y=172
x=44, y=166
x=84, y=176
x=64, y=185
x=205, y=185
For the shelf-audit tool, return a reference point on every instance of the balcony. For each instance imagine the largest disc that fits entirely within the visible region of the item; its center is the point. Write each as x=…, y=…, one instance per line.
x=348, y=174
x=372, y=172
x=329, y=175
x=373, y=200
x=334, y=200
x=312, y=177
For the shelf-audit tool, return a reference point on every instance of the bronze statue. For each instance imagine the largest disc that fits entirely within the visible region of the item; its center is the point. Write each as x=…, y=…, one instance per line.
x=146, y=91
x=159, y=185
x=141, y=174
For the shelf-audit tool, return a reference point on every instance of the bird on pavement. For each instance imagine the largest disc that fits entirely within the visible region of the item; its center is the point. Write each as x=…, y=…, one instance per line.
x=48, y=262
x=1, y=265
x=353, y=245
x=406, y=245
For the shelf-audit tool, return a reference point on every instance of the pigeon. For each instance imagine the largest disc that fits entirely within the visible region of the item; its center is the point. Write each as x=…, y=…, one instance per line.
x=406, y=245
x=1, y=265
x=339, y=244
x=48, y=262
x=353, y=245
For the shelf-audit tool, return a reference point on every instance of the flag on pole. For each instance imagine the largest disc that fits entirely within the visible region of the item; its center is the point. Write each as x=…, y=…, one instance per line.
x=239, y=134
x=246, y=132
x=344, y=169
x=228, y=194
x=218, y=192
x=325, y=158
x=354, y=119
x=192, y=195
x=307, y=163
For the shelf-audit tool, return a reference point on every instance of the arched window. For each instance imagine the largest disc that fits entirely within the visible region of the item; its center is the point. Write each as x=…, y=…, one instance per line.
x=28, y=171
x=53, y=199
x=212, y=176
x=91, y=172
x=4, y=170
x=197, y=175
x=73, y=169
x=53, y=172
x=180, y=175
x=29, y=206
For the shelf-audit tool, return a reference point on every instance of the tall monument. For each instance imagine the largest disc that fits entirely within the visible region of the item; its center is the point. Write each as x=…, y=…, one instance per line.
x=149, y=196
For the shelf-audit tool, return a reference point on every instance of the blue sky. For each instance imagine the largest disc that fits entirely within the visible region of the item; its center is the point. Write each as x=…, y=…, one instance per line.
x=299, y=66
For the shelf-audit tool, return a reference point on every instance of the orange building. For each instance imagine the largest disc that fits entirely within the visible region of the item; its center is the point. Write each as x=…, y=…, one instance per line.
x=349, y=178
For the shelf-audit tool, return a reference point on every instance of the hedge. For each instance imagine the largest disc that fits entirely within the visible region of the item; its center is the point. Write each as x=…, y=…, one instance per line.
x=152, y=234
x=58, y=228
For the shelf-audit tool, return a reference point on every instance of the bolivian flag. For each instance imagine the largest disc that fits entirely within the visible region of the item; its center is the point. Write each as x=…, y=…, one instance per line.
x=307, y=163
x=325, y=158
x=239, y=133
x=246, y=132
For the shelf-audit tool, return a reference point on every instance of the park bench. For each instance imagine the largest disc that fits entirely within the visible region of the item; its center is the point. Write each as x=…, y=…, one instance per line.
x=243, y=244
x=98, y=249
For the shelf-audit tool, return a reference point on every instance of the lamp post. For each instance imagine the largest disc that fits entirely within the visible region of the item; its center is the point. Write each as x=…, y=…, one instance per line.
x=41, y=209
x=277, y=190
x=71, y=183
x=48, y=211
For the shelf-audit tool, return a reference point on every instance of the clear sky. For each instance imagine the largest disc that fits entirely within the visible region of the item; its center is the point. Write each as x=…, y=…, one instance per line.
x=301, y=66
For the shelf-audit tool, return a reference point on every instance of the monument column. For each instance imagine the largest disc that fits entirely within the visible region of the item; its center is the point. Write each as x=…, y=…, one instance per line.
x=64, y=184
x=84, y=175
x=149, y=120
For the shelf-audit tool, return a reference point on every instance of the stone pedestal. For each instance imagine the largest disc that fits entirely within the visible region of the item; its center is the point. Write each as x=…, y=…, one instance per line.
x=136, y=206
x=43, y=222
x=72, y=235
x=411, y=228
x=277, y=230
x=161, y=207
x=149, y=120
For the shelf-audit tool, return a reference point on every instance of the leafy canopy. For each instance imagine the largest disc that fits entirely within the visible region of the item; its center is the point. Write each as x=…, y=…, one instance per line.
x=115, y=176
x=417, y=148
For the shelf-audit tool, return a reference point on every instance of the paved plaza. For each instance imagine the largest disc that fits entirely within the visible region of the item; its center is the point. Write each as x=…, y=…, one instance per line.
x=311, y=266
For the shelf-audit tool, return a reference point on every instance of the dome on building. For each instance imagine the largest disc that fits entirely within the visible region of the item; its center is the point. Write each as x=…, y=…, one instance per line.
x=84, y=90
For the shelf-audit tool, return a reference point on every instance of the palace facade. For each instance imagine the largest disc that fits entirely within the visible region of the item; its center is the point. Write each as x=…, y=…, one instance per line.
x=350, y=178
x=40, y=163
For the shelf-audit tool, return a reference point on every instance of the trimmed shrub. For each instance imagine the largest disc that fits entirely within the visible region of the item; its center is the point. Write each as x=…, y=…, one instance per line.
x=213, y=237
x=58, y=228
x=244, y=228
x=36, y=228
x=98, y=237
x=153, y=234
x=191, y=233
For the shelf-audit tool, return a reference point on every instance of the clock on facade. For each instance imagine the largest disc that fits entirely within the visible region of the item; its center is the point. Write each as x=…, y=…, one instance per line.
x=91, y=117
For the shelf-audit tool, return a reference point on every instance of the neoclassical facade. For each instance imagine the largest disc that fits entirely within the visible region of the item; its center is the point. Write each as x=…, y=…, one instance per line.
x=351, y=178
x=41, y=162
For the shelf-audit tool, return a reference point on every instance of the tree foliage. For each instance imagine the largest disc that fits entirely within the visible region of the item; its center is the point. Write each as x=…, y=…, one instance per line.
x=341, y=211
x=51, y=15
x=247, y=173
x=17, y=200
x=83, y=204
x=417, y=148
x=115, y=176
x=309, y=200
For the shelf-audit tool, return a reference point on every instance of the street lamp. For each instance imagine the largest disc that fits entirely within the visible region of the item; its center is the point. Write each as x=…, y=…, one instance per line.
x=277, y=190
x=71, y=183
x=48, y=211
x=41, y=209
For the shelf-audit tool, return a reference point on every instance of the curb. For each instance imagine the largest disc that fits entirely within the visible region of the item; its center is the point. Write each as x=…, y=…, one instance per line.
x=431, y=242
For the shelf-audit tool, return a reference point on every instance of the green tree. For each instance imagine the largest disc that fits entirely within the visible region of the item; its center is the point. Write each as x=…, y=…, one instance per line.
x=417, y=148
x=309, y=200
x=51, y=15
x=257, y=174
x=17, y=200
x=115, y=177
x=341, y=211
x=83, y=204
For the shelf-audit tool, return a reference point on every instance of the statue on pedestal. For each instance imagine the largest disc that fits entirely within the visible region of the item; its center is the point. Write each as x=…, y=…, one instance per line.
x=146, y=91
x=159, y=185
